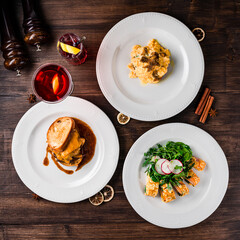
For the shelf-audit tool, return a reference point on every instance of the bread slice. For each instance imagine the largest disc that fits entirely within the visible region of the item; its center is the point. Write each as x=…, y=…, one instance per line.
x=58, y=132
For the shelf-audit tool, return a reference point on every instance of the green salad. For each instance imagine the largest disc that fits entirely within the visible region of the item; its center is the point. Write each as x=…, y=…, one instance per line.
x=173, y=152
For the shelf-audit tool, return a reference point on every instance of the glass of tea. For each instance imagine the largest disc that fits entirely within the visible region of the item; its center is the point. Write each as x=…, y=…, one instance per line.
x=52, y=83
x=71, y=47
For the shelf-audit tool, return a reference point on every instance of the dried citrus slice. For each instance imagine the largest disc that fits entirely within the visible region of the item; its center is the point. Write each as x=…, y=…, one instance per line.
x=123, y=119
x=199, y=34
x=97, y=199
x=108, y=193
x=55, y=83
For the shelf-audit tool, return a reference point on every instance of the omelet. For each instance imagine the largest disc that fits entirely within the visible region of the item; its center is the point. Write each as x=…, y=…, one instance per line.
x=149, y=63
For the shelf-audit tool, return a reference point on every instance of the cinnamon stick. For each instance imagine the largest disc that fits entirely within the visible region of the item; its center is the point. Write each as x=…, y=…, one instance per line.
x=202, y=101
x=206, y=109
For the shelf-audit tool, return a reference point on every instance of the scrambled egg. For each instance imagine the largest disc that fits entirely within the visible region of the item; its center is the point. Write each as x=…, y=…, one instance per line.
x=149, y=63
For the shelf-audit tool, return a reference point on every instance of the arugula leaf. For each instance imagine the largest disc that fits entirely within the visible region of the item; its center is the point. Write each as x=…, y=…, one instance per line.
x=169, y=187
x=178, y=167
x=172, y=150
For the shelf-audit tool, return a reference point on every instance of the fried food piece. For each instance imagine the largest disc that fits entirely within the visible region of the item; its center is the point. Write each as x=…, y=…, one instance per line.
x=151, y=187
x=167, y=193
x=192, y=178
x=181, y=188
x=199, y=164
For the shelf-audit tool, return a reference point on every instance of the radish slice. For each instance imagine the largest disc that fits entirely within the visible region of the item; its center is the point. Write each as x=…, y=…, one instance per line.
x=176, y=166
x=154, y=158
x=165, y=167
x=159, y=164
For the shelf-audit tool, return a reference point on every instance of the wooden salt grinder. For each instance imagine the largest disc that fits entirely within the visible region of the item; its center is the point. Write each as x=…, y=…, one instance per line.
x=13, y=51
x=35, y=34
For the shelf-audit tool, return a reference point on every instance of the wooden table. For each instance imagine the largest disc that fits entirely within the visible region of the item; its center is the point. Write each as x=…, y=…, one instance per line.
x=22, y=217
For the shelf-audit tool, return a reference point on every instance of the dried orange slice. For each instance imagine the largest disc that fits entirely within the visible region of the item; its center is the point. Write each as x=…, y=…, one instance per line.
x=199, y=34
x=97, y=199
x=108, y=193
x=55, y=83
x=123, y=119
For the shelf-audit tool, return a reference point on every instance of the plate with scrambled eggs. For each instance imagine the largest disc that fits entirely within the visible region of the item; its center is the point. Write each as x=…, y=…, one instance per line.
x=150, y=66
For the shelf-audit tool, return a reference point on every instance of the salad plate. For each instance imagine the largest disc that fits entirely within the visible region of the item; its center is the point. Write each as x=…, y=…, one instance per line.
x=178, y=87
x=202, y=200
x=29, y=150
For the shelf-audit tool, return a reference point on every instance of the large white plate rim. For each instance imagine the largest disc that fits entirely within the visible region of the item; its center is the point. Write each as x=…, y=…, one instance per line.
x=104, y=170
x=136, y=197
x=190, y=91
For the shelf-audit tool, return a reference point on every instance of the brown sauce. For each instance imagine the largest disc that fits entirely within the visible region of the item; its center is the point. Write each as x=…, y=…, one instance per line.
x=46, y=161
x=59, y=166
x=87, y=150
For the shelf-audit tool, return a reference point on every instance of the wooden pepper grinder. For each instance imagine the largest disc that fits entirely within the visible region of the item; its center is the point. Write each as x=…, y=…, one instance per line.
x=35, y=34
x=13, y=51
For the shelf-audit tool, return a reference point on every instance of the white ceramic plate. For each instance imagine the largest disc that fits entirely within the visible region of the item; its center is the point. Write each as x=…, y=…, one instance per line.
x=29, y=148
x=154, y=101
x=201, y=201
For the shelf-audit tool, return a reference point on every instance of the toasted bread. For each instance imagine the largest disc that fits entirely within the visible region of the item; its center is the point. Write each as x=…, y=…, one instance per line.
x=58, y=133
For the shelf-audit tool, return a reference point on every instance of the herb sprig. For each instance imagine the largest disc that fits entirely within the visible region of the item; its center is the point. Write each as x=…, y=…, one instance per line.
x=172, y=150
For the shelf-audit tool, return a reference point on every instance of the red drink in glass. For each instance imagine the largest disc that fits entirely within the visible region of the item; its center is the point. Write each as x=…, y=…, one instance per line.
x=52, y=83
x=71, y=47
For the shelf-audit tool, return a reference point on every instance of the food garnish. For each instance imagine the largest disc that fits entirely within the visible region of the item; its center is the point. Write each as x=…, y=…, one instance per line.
x=97, y=199
x=199, y=34
x=176, y=166
x=108, y=193
x=167, y=167
x=105, y=195
x=123, y=119
x=35, y=197
x=205, y=105
x=32, y=98
x=208, y=105
x=158, y=165
x=55, y=83
x=203, y=101
x=213, y=112
x=149, y=63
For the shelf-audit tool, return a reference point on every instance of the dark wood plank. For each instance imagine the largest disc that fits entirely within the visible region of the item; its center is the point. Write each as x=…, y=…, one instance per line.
x=112, y=231
x=22, y=217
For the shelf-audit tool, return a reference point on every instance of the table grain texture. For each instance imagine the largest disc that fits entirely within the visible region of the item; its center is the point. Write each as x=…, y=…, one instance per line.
x=22, y=217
